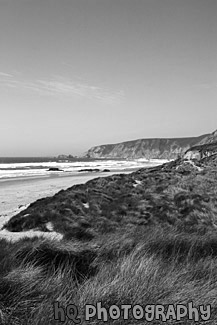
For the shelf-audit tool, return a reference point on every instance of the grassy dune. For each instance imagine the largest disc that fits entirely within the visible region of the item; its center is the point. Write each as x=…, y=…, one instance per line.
x=145, y=238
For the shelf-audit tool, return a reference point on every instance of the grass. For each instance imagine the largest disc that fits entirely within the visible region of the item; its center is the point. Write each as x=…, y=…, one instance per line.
x=131, y=268
x=153, y=243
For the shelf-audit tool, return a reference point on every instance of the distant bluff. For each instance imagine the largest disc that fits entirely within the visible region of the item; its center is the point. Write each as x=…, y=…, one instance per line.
x=159, y=148
x=210, y=138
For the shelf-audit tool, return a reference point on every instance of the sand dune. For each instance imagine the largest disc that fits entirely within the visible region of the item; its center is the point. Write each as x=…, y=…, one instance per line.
x=16, y=195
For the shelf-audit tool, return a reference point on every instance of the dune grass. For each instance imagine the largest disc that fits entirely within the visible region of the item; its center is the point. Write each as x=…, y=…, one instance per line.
x=138, y=267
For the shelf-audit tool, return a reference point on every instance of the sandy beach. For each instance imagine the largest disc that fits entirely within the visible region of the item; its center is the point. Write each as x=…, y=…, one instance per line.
x=17, y=194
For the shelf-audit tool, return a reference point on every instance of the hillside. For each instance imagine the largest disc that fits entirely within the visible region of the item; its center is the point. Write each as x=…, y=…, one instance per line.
x=146, y=148
x=173, y=194
x=145, y=238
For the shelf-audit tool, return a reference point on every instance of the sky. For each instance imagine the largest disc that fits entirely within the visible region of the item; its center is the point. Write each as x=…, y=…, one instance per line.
x=80, y=73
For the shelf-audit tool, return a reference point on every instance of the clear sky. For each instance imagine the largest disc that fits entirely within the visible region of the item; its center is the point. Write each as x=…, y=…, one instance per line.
x=79, y=73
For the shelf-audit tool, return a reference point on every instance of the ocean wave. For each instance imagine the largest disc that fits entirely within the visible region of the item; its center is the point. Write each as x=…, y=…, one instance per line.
x=13, y=170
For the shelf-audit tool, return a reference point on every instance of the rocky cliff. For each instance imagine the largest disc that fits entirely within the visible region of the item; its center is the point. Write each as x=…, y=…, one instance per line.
x=210, y=138
x=206, y=147
x=201, y=151
x=147, y=148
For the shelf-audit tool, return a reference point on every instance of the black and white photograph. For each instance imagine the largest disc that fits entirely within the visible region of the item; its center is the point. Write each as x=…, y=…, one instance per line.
x=108, y=162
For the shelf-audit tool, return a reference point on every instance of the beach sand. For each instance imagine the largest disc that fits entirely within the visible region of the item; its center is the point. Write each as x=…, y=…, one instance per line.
x=17, y=194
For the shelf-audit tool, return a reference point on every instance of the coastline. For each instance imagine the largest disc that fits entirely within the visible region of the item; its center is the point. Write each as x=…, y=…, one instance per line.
x=17, y=194
x=10, y=180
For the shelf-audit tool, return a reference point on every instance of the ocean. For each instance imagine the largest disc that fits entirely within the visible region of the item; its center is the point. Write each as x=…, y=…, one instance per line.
x=25, y=168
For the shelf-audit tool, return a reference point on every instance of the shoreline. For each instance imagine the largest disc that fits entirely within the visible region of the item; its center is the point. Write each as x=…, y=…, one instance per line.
x=18, y=193
x=9, y=180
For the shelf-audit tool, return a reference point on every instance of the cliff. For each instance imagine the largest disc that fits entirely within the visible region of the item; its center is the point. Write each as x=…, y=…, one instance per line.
x=146, y=148
x=210, y=138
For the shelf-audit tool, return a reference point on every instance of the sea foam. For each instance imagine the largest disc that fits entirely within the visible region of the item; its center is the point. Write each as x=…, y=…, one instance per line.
x=41, y=169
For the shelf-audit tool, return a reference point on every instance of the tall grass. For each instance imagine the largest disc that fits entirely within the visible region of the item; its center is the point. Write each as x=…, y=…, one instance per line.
x=136, y=268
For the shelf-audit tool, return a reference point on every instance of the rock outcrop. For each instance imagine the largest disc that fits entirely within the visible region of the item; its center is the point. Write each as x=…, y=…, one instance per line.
x=54, y=169
x=201, y=151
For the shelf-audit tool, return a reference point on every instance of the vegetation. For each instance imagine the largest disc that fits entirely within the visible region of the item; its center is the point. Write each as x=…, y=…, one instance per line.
x=145, y=238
